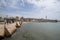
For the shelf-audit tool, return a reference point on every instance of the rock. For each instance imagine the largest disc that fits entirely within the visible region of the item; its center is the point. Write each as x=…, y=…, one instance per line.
x=1, y=31
x=17, y=25
x=9, y=29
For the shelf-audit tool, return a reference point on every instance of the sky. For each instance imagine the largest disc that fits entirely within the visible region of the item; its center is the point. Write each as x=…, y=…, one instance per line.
x=31, y=8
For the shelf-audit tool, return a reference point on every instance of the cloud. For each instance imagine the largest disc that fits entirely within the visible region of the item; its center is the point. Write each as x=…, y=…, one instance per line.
x=38, y=3
x=10, y=3
x=31, y=8
x=21, y=3
x=45, y=3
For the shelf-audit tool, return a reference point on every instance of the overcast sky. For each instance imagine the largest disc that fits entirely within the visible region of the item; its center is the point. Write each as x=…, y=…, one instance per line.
x=31, y=8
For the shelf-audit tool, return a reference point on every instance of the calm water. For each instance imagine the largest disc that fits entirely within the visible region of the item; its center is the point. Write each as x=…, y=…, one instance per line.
x=37, y=31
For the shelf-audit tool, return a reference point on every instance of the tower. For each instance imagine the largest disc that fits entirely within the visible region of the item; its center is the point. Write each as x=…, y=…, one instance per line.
x=46, y=17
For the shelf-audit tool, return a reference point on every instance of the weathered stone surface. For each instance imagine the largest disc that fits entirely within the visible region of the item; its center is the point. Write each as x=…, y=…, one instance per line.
x=6, y=30
x=17, y=24
x=1, y=30
x=9, y=29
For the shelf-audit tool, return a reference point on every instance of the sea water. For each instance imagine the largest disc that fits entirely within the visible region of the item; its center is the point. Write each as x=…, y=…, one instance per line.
x=37, y=31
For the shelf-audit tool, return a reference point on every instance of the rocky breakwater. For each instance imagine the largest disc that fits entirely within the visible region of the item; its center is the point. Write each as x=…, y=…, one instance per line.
x=18, y=24
x=6, y=30
x=1, y=31
x=9, y=29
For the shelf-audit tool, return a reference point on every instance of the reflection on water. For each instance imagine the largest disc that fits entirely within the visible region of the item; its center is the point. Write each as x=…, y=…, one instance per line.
x=37, y=31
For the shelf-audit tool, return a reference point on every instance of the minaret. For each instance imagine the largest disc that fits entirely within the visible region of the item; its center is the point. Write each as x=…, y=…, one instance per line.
x=6, y=16
x=46, y=17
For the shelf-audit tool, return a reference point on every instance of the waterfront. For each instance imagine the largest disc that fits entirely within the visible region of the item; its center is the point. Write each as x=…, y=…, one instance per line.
x=37, y=31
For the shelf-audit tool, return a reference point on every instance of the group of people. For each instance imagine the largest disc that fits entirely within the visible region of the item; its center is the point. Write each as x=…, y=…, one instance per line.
x=8, y=21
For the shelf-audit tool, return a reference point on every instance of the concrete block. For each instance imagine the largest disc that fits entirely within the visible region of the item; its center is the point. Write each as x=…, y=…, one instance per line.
x=10, y=29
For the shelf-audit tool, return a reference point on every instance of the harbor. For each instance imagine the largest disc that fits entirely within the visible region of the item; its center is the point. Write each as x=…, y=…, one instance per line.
x=21, y=28
x=8, y=26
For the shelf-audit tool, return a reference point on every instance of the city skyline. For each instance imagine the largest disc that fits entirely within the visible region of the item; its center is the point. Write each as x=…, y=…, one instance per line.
x=31, y=8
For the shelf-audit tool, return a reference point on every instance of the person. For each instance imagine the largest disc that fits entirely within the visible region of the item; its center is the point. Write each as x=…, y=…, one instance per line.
x=5, y=21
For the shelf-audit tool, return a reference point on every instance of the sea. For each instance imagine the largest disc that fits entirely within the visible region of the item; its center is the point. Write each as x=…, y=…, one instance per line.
x=37, y=31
